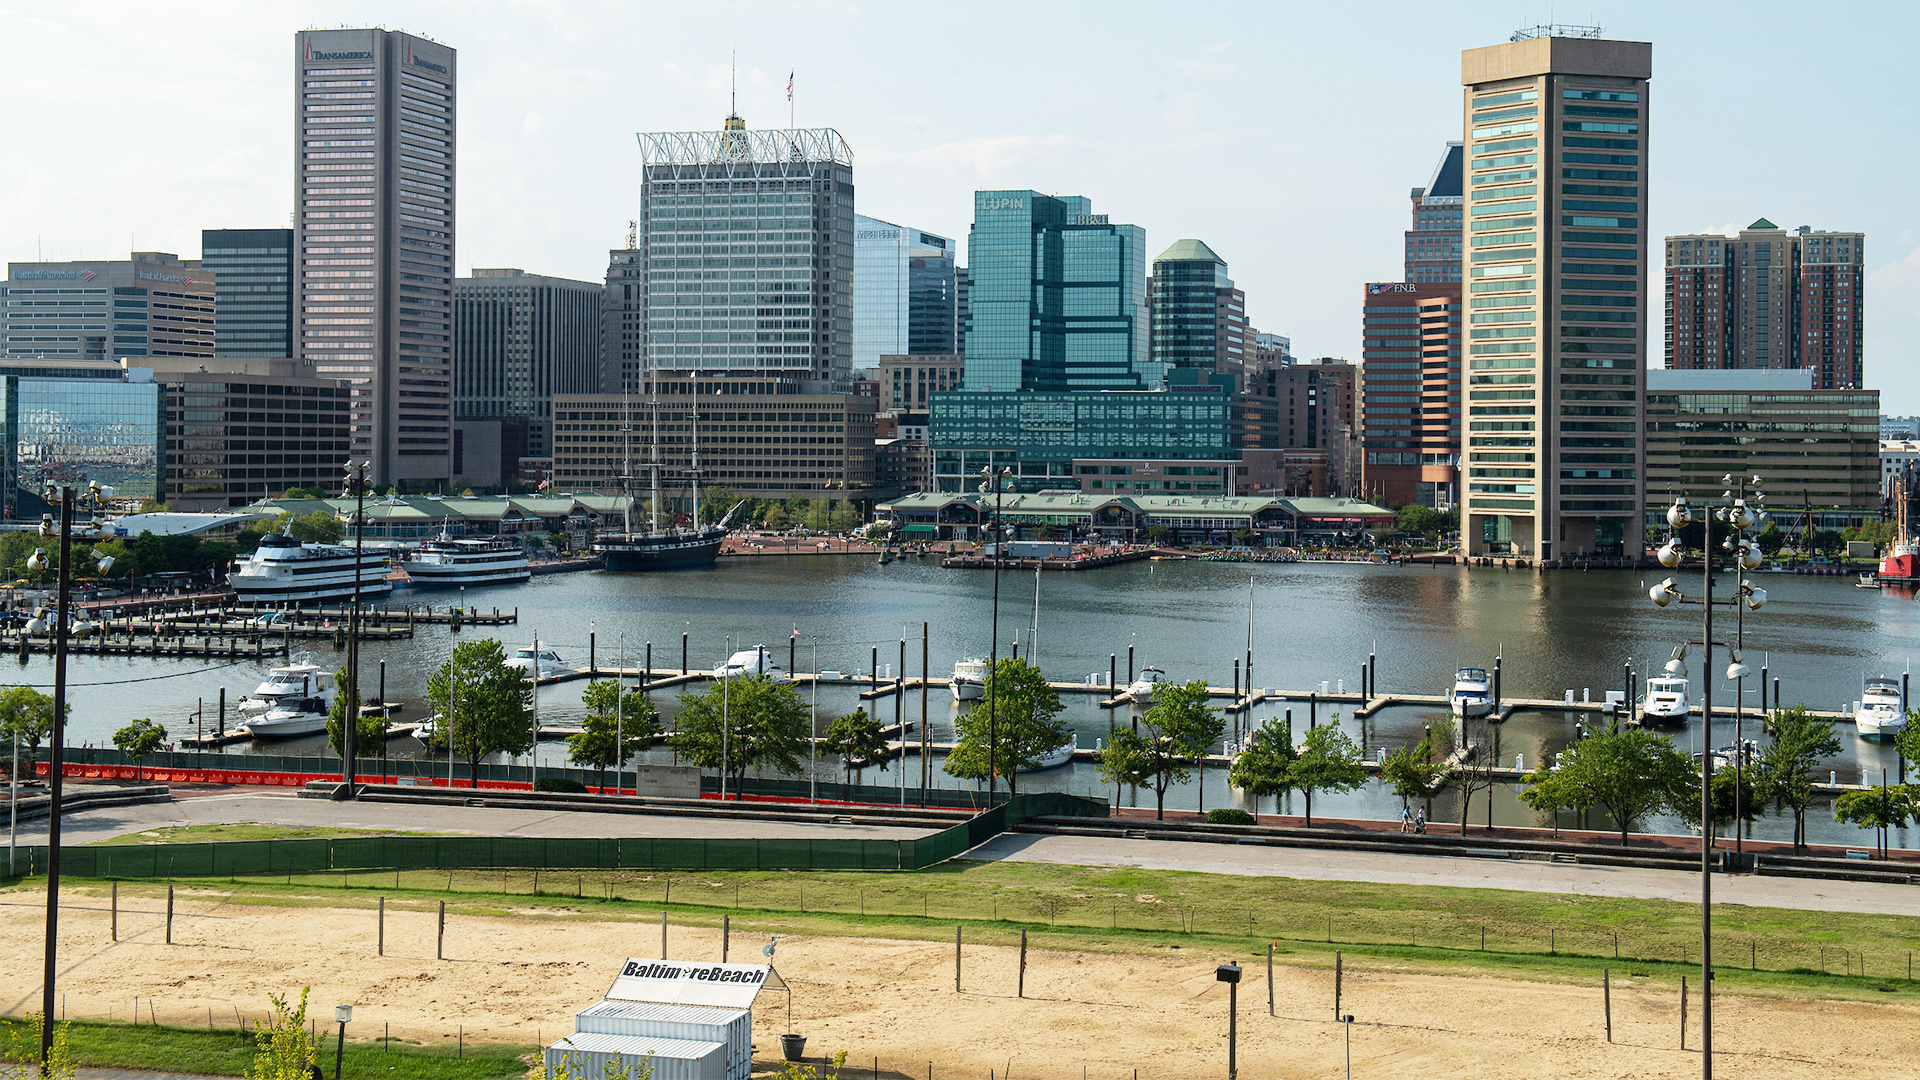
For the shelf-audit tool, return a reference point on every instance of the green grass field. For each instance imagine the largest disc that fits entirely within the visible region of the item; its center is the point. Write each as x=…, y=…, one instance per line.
x=1538, y=935
x=228, y=1052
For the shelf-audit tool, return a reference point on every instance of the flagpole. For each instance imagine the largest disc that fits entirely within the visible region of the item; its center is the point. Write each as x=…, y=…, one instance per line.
x=790, y=123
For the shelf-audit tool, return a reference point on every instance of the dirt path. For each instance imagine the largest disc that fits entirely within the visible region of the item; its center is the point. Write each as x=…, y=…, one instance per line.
x=520, y=978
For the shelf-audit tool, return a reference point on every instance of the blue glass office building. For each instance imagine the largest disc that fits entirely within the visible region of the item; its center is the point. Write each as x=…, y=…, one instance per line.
x=1057, y=297
x=906, y=299
x=68, y=422
x=1038, y=434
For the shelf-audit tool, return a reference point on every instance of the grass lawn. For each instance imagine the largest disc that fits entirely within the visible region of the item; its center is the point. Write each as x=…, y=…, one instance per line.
x=1534, y=935
x=200, y=834
x=229, y=1052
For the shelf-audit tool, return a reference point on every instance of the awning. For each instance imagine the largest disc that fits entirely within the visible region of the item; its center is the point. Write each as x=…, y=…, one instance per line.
x=920, y=529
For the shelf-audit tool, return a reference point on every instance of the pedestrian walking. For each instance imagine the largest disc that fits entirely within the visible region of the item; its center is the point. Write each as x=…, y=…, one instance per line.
x=1420, y=823
x=1406, y=819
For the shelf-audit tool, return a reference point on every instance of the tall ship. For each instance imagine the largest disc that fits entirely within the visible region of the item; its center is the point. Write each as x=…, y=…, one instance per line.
x=1901, y=557
x=445, y=563
x=658, y=548
x=284, y=570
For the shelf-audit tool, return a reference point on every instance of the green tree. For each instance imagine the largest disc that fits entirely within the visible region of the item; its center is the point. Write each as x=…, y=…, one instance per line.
x=1783, y=768
x=140, y=740
x=742, y=723
x=1827, y=541
x=371, y=736
x=1731, y=788
x=1017, y=718
x=1124, y=761
x=25, y=712
x=845, y=517
x=1629, y=773
x=857, y=737
x=306, y=493
x=1412, y=773
x=1159, y=533
x=318, y=527
x=1329, y=760
x=486, y=705
x=1879, y=808
x=776, y=518
x=617, y=727
x=1550, y=791
x=283, y=1050
x=1771, y=539
x=715, y=502
x=1179, y=728
x=1244, y=536
x=1265, y=768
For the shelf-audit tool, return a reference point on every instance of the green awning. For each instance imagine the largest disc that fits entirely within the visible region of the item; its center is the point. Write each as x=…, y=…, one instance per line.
x=920, y=529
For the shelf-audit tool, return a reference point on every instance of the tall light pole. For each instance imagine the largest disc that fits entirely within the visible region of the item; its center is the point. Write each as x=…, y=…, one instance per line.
x=1738, y=517
x=998, y=482
x=356, y=487
x=67, y=499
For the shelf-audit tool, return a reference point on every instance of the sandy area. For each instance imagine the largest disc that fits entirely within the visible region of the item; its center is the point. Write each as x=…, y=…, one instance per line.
x=521, y=978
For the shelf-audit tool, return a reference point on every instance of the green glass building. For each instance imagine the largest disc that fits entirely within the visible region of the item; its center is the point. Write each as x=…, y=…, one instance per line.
x=1058, y=297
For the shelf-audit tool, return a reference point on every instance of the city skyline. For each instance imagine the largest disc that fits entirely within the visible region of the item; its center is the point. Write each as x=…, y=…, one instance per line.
x=1292, y=163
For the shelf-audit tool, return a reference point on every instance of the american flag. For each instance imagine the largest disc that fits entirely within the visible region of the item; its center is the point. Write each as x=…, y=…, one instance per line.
x=790, y=85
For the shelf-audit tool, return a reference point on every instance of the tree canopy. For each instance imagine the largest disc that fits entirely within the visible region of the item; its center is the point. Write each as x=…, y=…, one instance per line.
x=1181, y=726
x=140, y=740
x=1629, y=773
x=1017, y=716
x=1327, y=759
x=370, y=738
x=743, y=723
x=1264, y=768
x=486, y=706
x=857, y=739
x=617, y=727
x=1783, y=768
x=1418, y=770
x=26, y=712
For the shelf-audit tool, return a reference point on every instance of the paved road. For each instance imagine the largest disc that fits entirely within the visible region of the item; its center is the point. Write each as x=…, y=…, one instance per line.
x=270, y=808
x=1467, y=872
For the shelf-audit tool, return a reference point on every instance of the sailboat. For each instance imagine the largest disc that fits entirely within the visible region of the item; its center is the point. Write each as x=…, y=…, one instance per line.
x=659, y=548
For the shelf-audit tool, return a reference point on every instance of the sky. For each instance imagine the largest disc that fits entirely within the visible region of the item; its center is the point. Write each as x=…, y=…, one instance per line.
x=1284, y=135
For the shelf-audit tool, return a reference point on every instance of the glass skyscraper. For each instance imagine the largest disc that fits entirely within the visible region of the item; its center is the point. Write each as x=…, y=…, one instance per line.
x=905, y=296
x=1058, y=297
x=1199, y=318
x=253, y=293
x=68, y=422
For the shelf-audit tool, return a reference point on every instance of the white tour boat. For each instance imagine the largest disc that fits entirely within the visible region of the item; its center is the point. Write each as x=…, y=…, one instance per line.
x=448, y=563
x=293, y=701
x=1879, y=717
x=1472, y=693
x=1142, y=689
x=283, y=570
x=969, y=682
x=549, y=663
x=750, y=663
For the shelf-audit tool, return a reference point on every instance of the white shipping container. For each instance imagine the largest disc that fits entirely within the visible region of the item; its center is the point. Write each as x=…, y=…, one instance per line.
x=698, y=1023
x=589, y=1053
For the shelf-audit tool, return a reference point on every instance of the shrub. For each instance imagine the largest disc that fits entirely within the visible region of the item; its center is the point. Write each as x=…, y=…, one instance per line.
x=562, y=784
x=1229, y=816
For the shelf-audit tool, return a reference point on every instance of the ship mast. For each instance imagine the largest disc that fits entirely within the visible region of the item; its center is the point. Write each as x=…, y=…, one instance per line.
x=654, y=382
x=695, y=411
x=626, y=447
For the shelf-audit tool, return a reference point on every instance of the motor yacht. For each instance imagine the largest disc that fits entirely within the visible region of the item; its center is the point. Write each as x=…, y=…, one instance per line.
x=1666, y=701
x=1879, y=717
x=1142, y=689
x=1059, y=755
x=1472, y=693
x=548, y=662
x=283, y=570
x=751, y=663
x=969, y=682
x=292, y=702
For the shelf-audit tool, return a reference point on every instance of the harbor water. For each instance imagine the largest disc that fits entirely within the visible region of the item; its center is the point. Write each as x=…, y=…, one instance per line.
x=1312, y=623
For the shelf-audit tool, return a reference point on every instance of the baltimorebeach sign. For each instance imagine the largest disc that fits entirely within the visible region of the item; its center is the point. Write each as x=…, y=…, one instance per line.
x=724, y=985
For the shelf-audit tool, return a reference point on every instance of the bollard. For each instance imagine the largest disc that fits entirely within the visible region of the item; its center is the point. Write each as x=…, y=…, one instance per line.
x=647, y=674
x=1683, y=1012
x=1270, y=978
x=683, y=654
x=593, y=664
x=663, y=935
x=440, y=939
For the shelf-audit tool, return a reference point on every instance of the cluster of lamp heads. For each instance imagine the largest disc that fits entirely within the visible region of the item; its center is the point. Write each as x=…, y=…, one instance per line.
x=94, y=497
x=1740, y=515
x=1677, y=666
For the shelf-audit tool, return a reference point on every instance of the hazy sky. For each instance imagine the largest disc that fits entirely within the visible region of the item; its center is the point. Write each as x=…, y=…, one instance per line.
x=1284, y=135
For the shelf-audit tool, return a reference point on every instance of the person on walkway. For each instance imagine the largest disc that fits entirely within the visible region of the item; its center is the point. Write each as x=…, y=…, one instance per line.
x=1420, y=824
x=1406, y=820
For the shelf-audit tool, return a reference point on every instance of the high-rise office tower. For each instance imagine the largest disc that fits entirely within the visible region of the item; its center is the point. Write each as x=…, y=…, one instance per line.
x=906, y=300
x=374, y=174
x=522, y=338
x=746, y=258
x=253, y=297
x=1556, y=293
x=623, y=309
x=1199, y=318
x=1410, y=393
x=149, y=305
x=1433, y=244
x=1057, y=297
x=1768, y=298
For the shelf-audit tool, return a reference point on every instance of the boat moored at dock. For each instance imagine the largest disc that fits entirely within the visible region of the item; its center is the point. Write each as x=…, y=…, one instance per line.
x=283, y=570
x=969, y=682
x=1472, y=693
x=446, y=563
x=1879, y=717
x=292, y=702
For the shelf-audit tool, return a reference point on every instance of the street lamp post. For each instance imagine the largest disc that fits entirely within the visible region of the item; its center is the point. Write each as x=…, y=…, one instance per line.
x=1738, y=517
x=342, y=1015
x=356, y=486
x=67, y=499
x=998, y=482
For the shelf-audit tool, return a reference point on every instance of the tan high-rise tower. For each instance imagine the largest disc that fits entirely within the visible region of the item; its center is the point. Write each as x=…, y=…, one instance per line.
x=1556, y=294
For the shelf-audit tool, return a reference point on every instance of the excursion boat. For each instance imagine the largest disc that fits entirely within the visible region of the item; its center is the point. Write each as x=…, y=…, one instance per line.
x=1666, y=701
x=969, y=682
x=1142, y=689
x=447, y=563
x=283, y=570
x=1879, y=718
x=751, y=663
x=1472, y=693
x=292, y=702
x=548, y=663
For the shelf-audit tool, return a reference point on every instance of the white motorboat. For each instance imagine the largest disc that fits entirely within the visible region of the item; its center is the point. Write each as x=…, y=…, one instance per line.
x=283, y=570
x=1666, y=700
x=1472, y=693
x=428, y=730
x=291, y=703
x=969, y=682
x=751, y=663
x=1059, y=755
x=1879, y=717
x=548, y=663
x=1142, y=689
x=447, y=563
